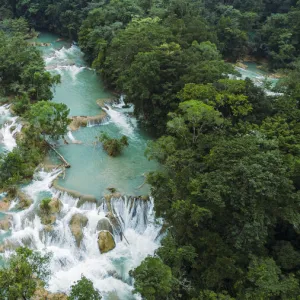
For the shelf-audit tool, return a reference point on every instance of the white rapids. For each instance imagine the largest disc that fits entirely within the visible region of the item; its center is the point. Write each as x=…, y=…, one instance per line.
x=9, y=128
x=109, y=271
x=65, y=60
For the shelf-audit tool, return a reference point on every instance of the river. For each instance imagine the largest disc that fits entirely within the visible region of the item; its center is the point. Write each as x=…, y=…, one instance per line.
x=92, y=171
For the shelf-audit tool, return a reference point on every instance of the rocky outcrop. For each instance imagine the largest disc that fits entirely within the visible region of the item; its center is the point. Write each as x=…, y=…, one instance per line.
x=109, y=197
x=55, y=206
x=4, y=204
x=83, y=121
x=48, y=215
x=48, y=220
x=8, y=245
x=24, y=200
x=37, y=44
x=101, y=102
x=104, y=225
x=86, y=198
x=77, y=223
x=5, y=224
x=106, y=241
x=42, y=294
x=241, y=65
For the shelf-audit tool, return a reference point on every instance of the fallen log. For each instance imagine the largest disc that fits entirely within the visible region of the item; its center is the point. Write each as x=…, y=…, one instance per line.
x=66, y=164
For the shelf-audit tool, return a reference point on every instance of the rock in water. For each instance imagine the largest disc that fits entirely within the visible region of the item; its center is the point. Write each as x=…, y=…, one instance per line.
x=104, y=224
x=5, y=223
x=24, y=200
x=55, y=206
x=77, y=223
x=106, y=241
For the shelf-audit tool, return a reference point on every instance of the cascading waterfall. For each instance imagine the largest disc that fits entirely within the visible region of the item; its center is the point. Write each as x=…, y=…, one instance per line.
x=65, y=59
x=136, y=235
x=121, y=120
x=10, y=127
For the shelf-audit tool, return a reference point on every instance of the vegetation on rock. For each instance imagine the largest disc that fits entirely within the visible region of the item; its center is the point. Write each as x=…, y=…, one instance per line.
x=112, y=146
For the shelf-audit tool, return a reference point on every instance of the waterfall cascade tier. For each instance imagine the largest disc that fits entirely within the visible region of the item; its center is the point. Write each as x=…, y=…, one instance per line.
x=133, y=226
x=9, y=129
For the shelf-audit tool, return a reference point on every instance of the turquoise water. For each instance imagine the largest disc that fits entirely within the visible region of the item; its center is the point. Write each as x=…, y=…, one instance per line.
x=257, y=75
x=92, y=170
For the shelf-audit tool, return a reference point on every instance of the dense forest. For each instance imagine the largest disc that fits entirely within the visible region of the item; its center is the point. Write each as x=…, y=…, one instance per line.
x=230, y=151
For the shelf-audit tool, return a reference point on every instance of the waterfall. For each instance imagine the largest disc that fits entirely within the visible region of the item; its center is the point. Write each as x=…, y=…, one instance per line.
x=8, y=132
x=121, y=120
x=109, y=271
x=71, y=137
x=65, y=59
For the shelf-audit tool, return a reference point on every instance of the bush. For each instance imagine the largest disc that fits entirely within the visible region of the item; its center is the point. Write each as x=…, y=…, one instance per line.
x=45, y=205
x=84, y=289
x=113, y=147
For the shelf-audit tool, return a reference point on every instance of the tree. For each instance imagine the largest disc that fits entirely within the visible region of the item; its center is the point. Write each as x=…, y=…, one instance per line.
x=25, y=272
x=49, y=118
x=233, y=41
x=266, y=281
x=141, y=35
x=84, y=289
x=153, y=279
x=22, y=70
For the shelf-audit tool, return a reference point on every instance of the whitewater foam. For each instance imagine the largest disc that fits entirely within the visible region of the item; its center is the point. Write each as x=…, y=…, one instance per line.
x=8, y=133
x=121, y=120
x=109, y=271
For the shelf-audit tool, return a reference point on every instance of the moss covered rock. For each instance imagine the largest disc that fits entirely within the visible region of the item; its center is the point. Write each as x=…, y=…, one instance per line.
x=4, y=204
x=24, y=200
x=55, y=206
x=5, y=224
x=104, y=224
x=77, y=223
x=106, y=241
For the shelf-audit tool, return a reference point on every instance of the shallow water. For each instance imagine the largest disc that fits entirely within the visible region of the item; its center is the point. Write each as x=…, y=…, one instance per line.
x=258, y=76
x=92, y=170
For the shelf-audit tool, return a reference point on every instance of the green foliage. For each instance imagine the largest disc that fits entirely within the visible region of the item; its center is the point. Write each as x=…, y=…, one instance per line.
x=15, y=26
x=44, y=205
x=25, y=272
x=19, y=165
x=112, y=146
x=268, y=282
x=141, y=35
x=228, y=188
x=153, y=279
x=22, y=69
x=49, y=118
x=228, y=191
x=84, y=289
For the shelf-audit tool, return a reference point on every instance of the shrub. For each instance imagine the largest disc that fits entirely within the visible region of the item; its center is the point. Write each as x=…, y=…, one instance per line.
x=113, y=147
x=45, y=205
